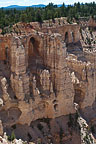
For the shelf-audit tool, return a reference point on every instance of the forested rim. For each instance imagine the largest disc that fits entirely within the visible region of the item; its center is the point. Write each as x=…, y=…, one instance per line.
x=51, y=11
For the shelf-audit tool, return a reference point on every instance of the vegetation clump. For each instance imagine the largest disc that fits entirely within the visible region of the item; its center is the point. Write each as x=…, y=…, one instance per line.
x=12, y=137
x=8, y=17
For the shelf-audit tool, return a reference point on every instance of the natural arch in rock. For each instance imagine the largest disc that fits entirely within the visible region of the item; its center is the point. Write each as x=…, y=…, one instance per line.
x=32, y=49
x=34, y=58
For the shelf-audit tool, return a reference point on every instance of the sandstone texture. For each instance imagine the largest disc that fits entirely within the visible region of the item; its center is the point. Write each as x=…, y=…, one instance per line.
x=44, y=70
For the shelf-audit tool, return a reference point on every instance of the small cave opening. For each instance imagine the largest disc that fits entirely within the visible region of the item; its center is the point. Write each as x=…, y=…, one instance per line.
x=56, y=107
x=54, y=101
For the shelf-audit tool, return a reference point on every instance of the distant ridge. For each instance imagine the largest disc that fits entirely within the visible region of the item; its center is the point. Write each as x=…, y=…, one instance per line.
x=24, y=7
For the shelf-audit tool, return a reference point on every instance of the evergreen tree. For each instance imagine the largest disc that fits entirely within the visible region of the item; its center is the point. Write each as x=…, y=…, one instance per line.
x=51, y=11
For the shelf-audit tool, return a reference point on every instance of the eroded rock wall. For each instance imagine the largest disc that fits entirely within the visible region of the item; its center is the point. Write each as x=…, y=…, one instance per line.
x=44, y=89
x=44, y=80
x=83, y=77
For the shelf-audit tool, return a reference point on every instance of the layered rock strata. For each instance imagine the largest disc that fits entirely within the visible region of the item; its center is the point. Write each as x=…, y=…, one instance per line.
x=39, y=78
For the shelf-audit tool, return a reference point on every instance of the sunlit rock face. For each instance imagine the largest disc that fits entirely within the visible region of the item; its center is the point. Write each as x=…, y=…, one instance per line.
x=43, y=71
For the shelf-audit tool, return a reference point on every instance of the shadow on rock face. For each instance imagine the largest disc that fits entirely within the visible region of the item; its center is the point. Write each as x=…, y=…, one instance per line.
x=10, y=116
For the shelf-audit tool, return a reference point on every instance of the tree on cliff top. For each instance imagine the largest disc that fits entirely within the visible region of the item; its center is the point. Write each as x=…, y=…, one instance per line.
x=51, y=11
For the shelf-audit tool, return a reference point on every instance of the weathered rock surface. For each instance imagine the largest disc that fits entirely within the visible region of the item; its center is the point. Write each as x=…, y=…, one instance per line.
x=44, y=70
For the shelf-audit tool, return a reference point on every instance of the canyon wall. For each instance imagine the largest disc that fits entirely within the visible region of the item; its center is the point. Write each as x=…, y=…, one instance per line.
x=44, y=79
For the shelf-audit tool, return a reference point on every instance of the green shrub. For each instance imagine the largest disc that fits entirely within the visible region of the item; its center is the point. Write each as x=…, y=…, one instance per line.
x=12, y=137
